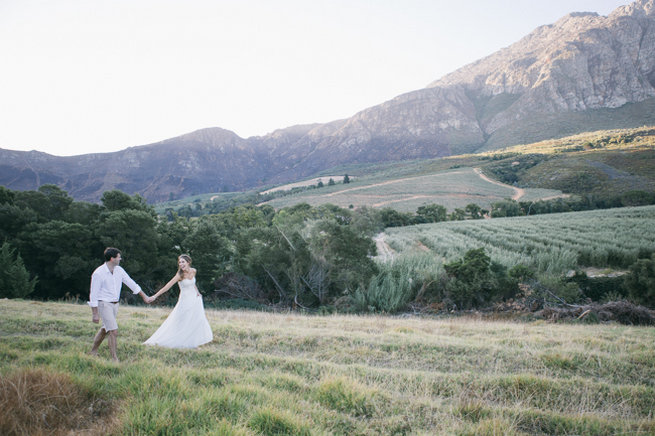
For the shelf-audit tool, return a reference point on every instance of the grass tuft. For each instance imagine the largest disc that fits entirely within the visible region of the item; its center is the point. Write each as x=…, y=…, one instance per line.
x=269, y=421
x=40, y=402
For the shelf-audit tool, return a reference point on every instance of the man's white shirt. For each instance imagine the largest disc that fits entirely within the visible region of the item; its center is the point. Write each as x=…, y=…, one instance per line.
x=106, y=286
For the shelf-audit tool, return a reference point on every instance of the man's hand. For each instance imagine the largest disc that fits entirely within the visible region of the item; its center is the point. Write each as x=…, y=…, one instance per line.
x=94, y=315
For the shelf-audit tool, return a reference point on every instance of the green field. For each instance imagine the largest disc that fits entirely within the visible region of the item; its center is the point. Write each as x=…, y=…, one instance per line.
x=551, y=243
x=287, y=373
x=454, y=188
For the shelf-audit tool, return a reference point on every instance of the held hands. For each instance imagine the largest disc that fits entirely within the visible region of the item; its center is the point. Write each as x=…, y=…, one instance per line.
x=147, y=299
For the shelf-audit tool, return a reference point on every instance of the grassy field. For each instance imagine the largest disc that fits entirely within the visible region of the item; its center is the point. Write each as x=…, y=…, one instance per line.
x=289, y=373
x=552, y=243
x=451, y=188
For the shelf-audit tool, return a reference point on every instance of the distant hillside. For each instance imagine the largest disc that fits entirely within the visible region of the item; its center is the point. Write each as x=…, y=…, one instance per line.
x=603, y=162
x=585, y=72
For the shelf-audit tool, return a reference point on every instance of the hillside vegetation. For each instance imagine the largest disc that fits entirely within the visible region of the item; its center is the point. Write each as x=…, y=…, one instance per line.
x=555, y=243
x=599, y=163
x=268, y=374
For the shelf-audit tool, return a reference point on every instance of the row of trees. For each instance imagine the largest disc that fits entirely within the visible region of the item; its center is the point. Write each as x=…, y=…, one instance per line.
x=300, y=256
x=434, y=213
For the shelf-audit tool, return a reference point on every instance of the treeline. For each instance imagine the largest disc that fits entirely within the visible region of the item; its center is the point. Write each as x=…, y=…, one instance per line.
x=296, y=257
x=434, y=213
x=300, y=256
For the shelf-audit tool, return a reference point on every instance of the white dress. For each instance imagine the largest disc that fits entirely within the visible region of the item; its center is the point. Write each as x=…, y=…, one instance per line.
x=186, y=326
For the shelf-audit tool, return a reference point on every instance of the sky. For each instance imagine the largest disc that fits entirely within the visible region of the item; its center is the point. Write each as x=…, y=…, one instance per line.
x=92, y=76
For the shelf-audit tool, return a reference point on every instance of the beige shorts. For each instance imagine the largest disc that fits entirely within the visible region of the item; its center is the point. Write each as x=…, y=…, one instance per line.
x=108, y=312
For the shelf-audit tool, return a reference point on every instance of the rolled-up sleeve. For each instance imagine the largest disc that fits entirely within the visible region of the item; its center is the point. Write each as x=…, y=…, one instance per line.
x=131, y=283
x=94, y=290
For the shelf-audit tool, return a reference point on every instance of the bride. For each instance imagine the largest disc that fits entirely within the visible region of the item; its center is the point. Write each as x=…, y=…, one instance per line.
x=186, y=326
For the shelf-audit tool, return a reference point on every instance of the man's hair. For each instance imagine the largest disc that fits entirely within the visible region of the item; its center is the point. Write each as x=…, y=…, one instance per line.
x=111, y=252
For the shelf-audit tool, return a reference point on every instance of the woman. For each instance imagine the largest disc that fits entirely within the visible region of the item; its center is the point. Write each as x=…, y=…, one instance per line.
x=186, y=326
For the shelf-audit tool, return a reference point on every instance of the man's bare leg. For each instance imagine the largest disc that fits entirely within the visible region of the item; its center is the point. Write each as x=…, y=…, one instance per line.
x=111, y=341
x=100, y=336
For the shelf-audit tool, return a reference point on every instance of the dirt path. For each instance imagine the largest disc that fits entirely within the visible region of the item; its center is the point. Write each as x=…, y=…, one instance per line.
x=384, y=251
x=518, y=192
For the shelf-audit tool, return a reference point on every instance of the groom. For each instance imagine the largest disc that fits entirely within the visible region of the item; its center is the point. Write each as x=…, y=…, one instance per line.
x=106, y=283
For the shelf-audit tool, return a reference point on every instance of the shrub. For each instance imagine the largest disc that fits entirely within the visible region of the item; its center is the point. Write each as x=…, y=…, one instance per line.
x=472, y=282
x=640, y=283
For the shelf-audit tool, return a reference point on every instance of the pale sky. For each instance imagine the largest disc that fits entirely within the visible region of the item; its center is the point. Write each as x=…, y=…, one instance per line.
x=88, y=76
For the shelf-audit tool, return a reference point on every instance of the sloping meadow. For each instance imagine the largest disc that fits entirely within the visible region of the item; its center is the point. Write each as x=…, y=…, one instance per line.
x=290, y=373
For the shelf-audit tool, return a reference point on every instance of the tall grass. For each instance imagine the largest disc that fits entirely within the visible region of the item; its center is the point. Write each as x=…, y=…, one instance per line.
x=289, y=373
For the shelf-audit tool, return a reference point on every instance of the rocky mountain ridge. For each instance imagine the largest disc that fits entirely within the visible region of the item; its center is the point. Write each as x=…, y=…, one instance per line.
x=561, y=79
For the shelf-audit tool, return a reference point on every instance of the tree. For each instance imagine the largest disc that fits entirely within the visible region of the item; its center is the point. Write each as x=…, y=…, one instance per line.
x=15, y=280
x=346, y=179
x=209, y=251
x=506, y=208
x=49, y=202
x=331, y=182
x=432, y=213
x=118, y=200
x=134, y=232
x=457, y=215
x=63, y=256
x=392, y=218
x=320, y=183
x=7, y=196
x=474, y=211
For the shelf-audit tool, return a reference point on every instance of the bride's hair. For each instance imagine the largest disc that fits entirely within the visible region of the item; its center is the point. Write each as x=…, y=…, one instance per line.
x=188, y=259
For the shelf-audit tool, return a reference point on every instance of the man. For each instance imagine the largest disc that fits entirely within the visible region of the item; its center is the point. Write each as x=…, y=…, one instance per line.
x=106, y=283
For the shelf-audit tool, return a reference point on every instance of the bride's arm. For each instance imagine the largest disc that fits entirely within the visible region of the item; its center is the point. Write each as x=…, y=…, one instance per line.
x=166, y=287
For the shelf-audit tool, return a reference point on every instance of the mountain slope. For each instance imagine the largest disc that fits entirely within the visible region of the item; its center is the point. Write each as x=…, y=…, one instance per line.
x=584, y=72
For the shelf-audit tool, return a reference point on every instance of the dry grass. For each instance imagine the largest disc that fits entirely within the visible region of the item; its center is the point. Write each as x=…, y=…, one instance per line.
x=43, y=402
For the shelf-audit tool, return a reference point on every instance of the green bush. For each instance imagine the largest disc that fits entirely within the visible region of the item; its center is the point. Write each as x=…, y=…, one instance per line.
x=472, y=282
x=640, y=283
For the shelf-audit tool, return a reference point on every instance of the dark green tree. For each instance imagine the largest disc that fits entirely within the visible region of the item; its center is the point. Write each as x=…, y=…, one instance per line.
x=210, y=253
x=134, y=232
x=15, y=280
x=346, y=179
x=474, y=211
x=506, y=208
x=62, y=254
x=432, y=213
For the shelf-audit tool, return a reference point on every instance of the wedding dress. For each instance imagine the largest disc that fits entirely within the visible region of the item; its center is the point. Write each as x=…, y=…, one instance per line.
x=186, y=326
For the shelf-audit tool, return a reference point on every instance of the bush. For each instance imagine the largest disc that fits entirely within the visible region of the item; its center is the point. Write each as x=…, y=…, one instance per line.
x=472, y=281
x=14, y=278
x=640, y=283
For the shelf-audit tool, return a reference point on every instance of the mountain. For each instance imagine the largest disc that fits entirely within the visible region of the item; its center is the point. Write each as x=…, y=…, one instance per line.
x=584, y=72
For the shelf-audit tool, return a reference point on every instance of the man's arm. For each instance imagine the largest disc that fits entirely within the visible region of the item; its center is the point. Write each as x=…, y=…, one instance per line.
x=136, y=289
x=93, y=298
